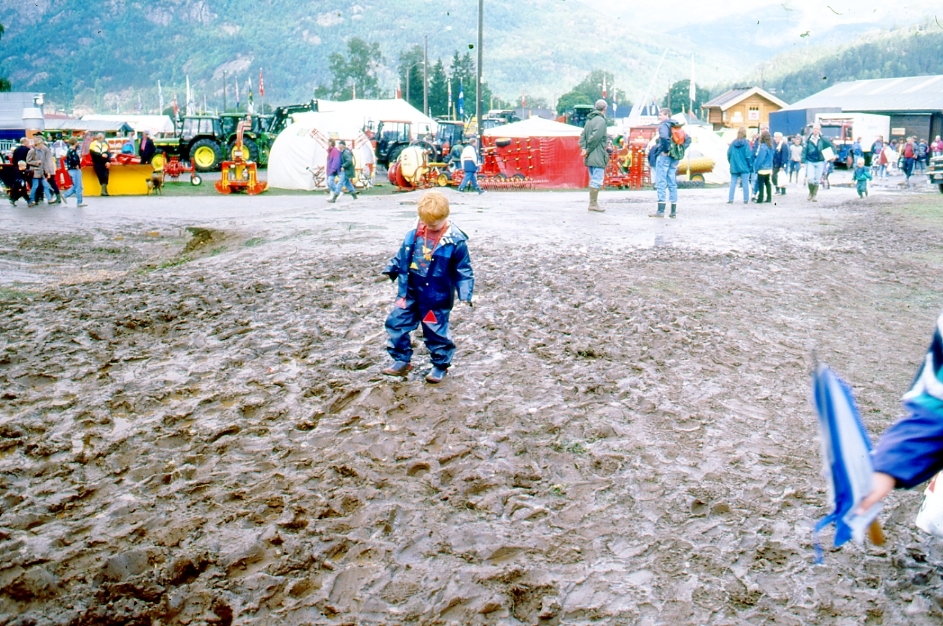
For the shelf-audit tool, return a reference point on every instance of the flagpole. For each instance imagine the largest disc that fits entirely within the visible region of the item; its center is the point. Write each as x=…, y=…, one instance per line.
x=224, y=91
x=481, y=23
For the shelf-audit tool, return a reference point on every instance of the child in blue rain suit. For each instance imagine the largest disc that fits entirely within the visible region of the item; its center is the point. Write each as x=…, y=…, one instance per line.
x=861, y=177
x=430, y=267
x=911, y=451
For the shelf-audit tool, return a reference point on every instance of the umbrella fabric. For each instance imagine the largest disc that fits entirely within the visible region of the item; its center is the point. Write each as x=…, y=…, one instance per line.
x=846, y=459
x=912, y=449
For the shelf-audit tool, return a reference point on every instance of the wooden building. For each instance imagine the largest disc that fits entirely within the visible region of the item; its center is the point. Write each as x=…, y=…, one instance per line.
x=743, y=106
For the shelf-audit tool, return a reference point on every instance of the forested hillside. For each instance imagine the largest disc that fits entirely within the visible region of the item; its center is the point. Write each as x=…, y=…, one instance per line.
x=903, y=52
x=91, y=52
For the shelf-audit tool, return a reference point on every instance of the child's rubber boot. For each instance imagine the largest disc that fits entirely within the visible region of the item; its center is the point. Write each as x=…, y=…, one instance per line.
x=674, y=210
x=436, y=375
x=660, y=212
x=399, y=368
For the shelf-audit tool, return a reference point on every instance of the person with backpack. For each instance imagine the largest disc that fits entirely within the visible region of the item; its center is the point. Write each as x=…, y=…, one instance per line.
x=73, y=164
x=740, y=158
x=923, y=156
x=593, y=150
x=671, y=142
x=814, y=155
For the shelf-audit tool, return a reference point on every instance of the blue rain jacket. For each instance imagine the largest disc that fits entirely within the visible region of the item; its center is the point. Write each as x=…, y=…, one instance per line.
x=449, y=272
x=764, y=158
x=912, y=449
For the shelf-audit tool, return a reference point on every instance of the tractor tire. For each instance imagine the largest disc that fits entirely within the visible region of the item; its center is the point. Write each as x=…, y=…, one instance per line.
x=697, y=178
x=252, y=147
x=158, y=162
x=205, y=155
x=394, y=155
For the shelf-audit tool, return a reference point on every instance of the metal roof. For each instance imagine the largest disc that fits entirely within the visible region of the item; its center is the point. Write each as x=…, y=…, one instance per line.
x=913, y=93
x=729, y=98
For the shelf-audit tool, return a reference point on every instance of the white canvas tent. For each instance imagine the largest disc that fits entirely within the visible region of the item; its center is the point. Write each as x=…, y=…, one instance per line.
x=299, y=153
x=534, y=127
x=704, y=141
x=153, y=124
x=369, y=112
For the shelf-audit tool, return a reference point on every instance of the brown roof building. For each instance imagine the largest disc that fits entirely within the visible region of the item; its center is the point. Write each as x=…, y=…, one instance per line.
x=743, y=106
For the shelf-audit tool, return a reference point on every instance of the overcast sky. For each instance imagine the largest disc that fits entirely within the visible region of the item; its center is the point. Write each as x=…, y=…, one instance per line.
x=805, y=14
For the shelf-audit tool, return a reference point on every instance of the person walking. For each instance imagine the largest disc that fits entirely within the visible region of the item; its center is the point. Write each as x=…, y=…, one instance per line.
x=332, y=170
x=666, y=166
x=795, y=157
x=470, y=167
x=101, y=160
x=146, y=149
x=878, y=158
x=763, y=166
x=73, y=164
x=348, y=171
x=43, y=166
x=908, y=155
x=593, y=150
x=814, y=155
x=740, y=158
x=922, y=157
x=20, y=152
x=780, y=161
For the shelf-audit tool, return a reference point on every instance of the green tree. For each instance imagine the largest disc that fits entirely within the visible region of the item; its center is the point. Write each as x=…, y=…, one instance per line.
x=570, y=99
x=411, y=61
x=438, y=91
x=4, y=83
x=355, y=74
x=679, y=96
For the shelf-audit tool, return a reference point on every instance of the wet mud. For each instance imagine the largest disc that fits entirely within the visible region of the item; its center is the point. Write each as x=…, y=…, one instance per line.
x=194, y=429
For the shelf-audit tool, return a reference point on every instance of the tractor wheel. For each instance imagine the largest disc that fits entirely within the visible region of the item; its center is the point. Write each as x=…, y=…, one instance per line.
x=394, y=154
x=205, y=155
x=442, y=180
x=196, y=181
x=251, y=146
x=158, y=162
x=697, y=178
x=519, y=176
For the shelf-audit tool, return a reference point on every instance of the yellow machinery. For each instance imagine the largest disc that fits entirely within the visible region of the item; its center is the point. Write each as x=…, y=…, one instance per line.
x=240, y=174
x=123, y=180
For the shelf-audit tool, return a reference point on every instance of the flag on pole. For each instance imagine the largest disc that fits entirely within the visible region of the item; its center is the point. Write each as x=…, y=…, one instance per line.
x=140, y=105
x=692, y=95
x=190, y=105
x=251, y=108
x=461, y=99
x=523, y=100
x=261, y=84
x=160, y=98
x=176, y=107
x=204, y=104
x=237, y=94
x=604, y=94
x=449, y=83
x=846, y=461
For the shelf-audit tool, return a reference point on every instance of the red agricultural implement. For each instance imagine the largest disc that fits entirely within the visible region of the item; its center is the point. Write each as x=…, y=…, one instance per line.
x=240, y=175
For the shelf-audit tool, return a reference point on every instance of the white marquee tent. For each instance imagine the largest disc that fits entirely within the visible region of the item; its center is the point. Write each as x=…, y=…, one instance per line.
x=368, y=113
x=299, y=153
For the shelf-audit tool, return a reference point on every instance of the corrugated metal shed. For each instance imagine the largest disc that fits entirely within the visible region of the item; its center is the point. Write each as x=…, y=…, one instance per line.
x=12, y=104
x=914, y=93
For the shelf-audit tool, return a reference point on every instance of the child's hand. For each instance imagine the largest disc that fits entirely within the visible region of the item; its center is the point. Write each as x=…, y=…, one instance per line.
x=883, y=485
x=400, y=303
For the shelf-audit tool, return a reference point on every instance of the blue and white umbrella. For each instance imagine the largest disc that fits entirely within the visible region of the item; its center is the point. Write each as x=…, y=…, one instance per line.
x=846, y=461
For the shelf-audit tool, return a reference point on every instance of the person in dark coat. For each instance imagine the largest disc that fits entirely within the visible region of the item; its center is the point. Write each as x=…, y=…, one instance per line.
x=740, y=158
x=147, y=149
x=20, y=186
x=101, y=160
x=20, y=152
x=347, y=172
x=593, y=150
x=780, y=161
x=431, y=267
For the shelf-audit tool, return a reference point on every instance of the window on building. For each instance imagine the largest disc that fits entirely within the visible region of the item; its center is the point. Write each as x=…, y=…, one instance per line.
x=753, y=113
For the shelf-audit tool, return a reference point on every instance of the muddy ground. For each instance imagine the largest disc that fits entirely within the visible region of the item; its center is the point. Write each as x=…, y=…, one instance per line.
x=194, y=430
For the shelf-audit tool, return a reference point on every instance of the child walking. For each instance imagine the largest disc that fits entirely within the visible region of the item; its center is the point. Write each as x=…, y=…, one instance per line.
x=861, y=177
x=431, y=266
x=20, y=187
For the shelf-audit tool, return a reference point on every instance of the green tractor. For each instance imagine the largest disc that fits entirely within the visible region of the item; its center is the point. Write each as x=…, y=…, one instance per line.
x=255, y=137
x=198, y=140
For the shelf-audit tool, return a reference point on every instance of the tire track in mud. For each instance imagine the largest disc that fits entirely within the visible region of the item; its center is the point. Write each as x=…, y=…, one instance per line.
x=626, y=438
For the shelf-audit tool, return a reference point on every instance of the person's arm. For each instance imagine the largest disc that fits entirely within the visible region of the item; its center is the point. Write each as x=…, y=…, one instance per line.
x=462, y=275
